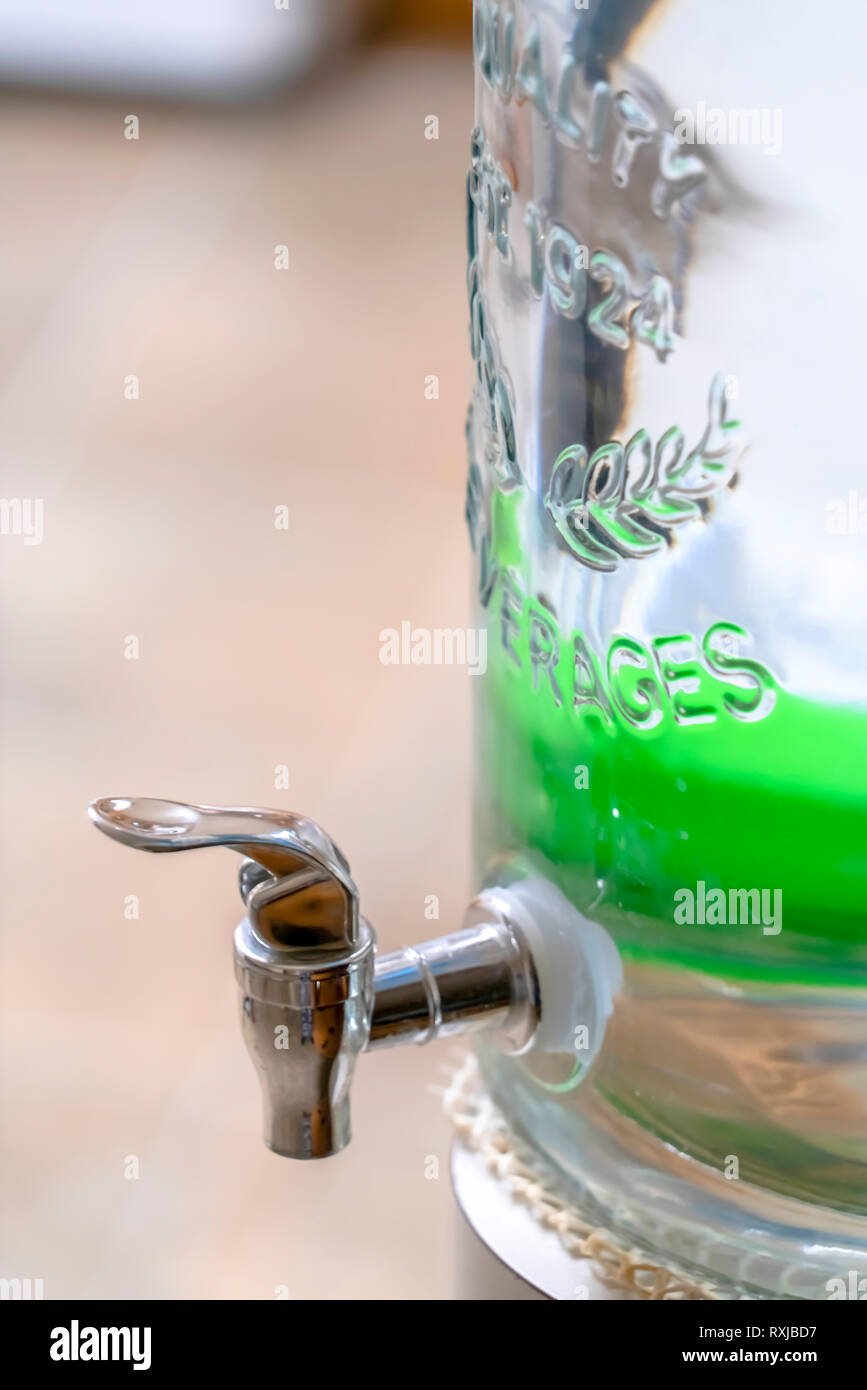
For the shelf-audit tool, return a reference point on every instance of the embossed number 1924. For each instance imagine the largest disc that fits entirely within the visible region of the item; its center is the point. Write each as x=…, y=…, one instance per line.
x=560, y=262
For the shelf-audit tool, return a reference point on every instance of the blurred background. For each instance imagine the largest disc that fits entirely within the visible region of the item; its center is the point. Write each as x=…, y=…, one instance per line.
x=231, y=304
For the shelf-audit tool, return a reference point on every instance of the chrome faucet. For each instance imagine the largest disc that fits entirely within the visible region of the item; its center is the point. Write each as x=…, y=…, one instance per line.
x=313, y=992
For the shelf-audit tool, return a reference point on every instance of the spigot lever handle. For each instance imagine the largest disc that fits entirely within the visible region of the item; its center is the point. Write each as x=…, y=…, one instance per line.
x=306, y=898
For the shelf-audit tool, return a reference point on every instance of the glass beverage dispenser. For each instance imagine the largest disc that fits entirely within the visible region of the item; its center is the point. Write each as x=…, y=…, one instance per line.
x=666, y=962
x=668, y=512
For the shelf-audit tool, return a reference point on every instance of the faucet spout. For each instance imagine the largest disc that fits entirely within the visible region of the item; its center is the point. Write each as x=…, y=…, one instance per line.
x=305, y=1022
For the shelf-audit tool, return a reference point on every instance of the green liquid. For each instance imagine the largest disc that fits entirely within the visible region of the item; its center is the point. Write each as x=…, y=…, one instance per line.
x=777, y=803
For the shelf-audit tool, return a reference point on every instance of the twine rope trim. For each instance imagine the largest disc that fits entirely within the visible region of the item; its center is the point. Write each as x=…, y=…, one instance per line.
x=483, y=1128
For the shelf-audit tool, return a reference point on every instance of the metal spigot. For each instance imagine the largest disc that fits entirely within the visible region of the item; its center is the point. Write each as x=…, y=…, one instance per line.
x=313, y=993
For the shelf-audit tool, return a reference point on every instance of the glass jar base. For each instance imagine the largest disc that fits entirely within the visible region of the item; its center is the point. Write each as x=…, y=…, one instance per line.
x=748, y=1241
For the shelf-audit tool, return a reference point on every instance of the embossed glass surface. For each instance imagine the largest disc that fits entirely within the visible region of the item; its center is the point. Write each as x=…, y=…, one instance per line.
x=668, y=510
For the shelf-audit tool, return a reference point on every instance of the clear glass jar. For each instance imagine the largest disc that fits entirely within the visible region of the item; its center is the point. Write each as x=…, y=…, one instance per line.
x=668, y=509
